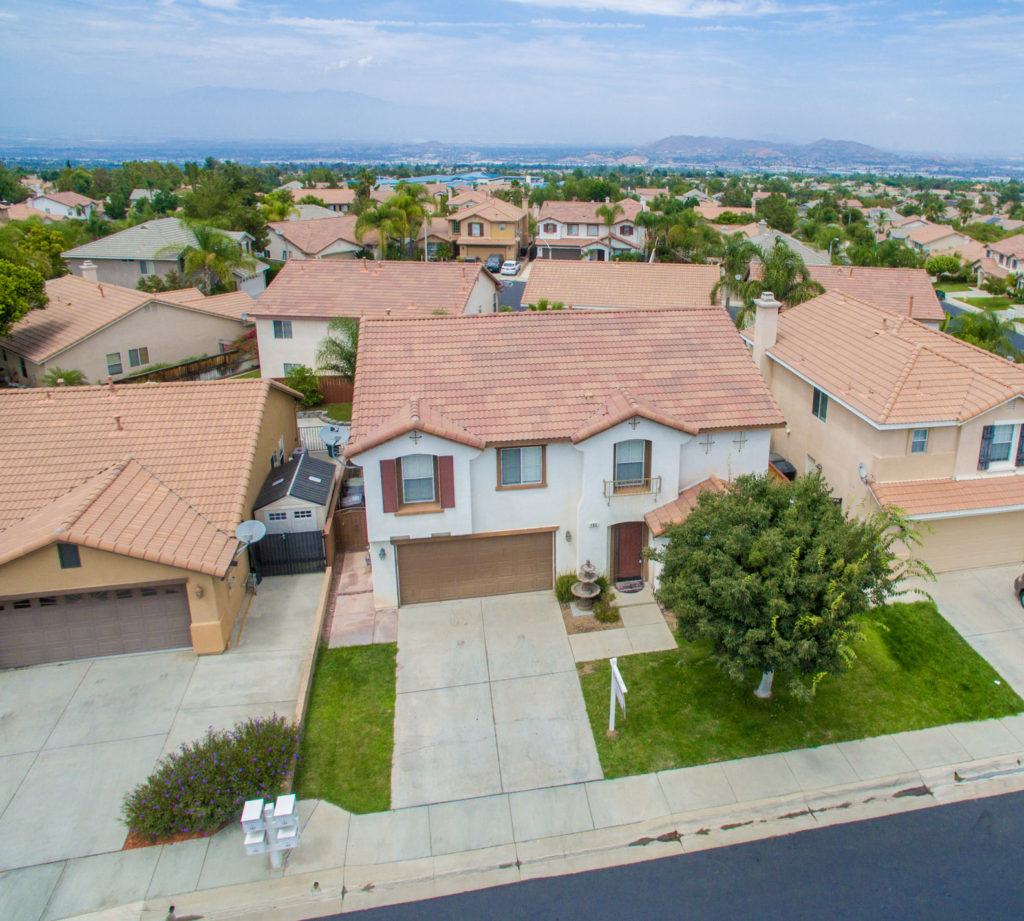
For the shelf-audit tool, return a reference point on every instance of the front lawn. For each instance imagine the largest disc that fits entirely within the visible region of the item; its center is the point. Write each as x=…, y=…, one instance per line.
x=345, y=757
x=951, y=286
x=682, y=710
x=339, y=412
x=992, y=303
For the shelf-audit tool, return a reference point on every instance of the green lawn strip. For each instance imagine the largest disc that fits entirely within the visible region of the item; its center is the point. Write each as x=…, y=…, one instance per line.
x=950, y=286
x=349, y=732
x=339, y=412
x=993, y=303
x=682, y=710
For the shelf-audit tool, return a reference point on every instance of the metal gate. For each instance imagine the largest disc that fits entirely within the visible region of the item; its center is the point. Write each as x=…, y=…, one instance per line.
x=290, y=554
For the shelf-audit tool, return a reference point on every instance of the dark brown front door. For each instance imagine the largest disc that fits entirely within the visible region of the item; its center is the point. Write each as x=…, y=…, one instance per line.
x=629, y=543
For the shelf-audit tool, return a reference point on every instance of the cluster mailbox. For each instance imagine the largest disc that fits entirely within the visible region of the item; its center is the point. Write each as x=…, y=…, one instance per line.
x=271, y=828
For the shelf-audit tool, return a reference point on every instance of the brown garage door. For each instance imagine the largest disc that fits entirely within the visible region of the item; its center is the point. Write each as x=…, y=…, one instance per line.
x=467, y=567
x=54, y=628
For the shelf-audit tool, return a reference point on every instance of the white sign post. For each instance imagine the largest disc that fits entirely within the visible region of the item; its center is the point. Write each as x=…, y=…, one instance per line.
x=618, y=694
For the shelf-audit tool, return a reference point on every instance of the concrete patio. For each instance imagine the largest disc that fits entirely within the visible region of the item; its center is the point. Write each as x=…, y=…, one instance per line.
x=643, y=630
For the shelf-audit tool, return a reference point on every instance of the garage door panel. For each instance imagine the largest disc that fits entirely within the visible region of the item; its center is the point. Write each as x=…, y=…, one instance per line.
x=443, y=570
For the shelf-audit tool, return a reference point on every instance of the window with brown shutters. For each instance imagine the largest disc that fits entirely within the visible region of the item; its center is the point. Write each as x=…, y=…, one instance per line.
x=418, y=483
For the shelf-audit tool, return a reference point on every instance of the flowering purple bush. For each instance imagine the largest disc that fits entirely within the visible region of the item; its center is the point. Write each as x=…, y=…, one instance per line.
x=204, y=784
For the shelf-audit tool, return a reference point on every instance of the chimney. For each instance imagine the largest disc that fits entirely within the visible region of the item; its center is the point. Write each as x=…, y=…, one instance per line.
x=767, y=326
x=89, y=270
x=762, y=227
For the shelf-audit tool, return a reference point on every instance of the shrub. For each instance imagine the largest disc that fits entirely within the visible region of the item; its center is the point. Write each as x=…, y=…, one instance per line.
x=205, y=783
x=605, y=612
x=563, y=587
x=305, y=381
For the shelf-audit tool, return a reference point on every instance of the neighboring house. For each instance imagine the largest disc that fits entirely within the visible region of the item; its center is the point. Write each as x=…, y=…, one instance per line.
x=154, y=248
x=898, y=228
x=1008, y=254
x=109, y=331
x=499, y=451
x=711, y=211
x=573, y=230
x=906, y=292
x=337, y=200
x=764, y=238
x=310, y=213
x=935, y=238
x=298, y=496
x=141, y=194
x=493, y=226
x=22, y=212
x=293, y=314
x=647, y=195
x=322, y=238
x=66, y=204
x=118, y=509
x=621, y=285
x=891, y=411
x=468, y=198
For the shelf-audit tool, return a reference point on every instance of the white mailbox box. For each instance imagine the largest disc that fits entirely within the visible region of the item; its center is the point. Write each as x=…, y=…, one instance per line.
x=271, y=828
x=285, y=811
x=252, y=815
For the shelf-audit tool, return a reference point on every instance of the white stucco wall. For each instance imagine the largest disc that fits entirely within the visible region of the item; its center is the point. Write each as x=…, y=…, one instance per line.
x=300, y=349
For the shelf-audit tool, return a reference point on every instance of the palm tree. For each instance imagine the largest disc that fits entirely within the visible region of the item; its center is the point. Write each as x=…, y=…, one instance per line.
x=735, y=262
x=609, y=213
x=785, y=275
x=389, y=224
x=337, y=352
x=212, y=257
x=64, y=377
x=655, y=227
x=987, y=330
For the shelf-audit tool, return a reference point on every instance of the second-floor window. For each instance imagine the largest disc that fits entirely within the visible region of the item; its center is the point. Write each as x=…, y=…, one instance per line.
x=476, y=229
x=550, y=228
x=114, y=365
x=819, y=404
x=572, y=229
x=418, y=483
x=591, y=230
x=632, y=463
x=919, y=441
x=997, y=442
x=282, y=329
x=626, y=230
x=521, y=466
x=416, y=474
x=138, y=357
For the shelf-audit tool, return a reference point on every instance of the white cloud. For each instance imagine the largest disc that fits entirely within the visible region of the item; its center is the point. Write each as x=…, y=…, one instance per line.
x=9, y=17
x=690, y=9
x=365, y=61
x=220, y=4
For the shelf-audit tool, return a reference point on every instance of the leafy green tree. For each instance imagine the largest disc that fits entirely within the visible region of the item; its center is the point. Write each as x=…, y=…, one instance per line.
x=656, y=227
x=778, y=211
x=22, y=289
x=304, y=380
x=734, y=195
x=154, y=284
x=784, y=274
x=44, y=245
x=775, y=576
x=337, y=352
x=390, y=224
x=212, y=258
x=11, y=191
x=312, y=200
x=278, y=205
x=942, y=265
x=64, y=377
x=987, y=330
x=74, y=180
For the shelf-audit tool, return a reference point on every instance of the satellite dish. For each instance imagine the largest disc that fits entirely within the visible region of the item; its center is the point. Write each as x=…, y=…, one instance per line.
x=334, y=435
x=249, y=532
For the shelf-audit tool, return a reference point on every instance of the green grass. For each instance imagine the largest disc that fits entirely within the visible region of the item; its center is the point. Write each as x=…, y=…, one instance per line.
x=994, y=303
x=951, y=287
x=255, y=373
x=682, y=710
x=345, y=757
x=339, y=412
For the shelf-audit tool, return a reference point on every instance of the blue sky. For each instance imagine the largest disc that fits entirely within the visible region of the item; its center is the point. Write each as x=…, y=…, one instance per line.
x=910, y=75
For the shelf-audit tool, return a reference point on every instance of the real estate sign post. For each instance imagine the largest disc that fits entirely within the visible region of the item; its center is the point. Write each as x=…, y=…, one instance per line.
x=618, y=693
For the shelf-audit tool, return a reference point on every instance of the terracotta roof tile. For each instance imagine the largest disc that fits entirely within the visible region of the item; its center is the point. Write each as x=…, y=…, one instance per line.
x=320, y=288
x=327, y=196
x=233, y=305
x=1011, y=246
x=585, y=212
x=678, y=510
x=493, y=209
x=891, y=289
x=634, y=285
x=550, y=376
x=940, y=497
x=891, y=369
x=315, y=235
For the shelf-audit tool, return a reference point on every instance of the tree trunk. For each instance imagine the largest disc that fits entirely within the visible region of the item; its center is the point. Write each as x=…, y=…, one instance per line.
x=764, y=689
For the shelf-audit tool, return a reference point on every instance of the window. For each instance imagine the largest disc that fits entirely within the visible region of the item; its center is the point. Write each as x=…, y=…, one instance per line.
x=277, y=516
x=289, y=366
x=919, y=441
x=137, y=357
x=24, y=370
x=819, y=404
x=632, y=460
x=145, y=267
x=591, y=230
x=67, y=556
x=996, y=445
x=476, y=229
x=521, y=466
x=626, y=230
x=550, y=228
x=455, y=226
x=572, y=229
x=282, y=329
x=501, y=227
x=114, y=365
x=303, y=513
x=416, y=472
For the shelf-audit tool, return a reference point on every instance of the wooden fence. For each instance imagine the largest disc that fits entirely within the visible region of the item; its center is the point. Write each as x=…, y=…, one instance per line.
x=350, y=529
x=334, y=388
x=222, y=364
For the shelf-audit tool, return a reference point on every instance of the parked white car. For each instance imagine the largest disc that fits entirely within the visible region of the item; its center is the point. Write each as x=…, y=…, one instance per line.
x=510, y=268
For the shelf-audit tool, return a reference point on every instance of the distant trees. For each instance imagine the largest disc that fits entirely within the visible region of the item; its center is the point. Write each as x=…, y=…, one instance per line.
x=734, y=195
x=11, y=190
x=21, y=290
x=778, y=211
x=278, y=205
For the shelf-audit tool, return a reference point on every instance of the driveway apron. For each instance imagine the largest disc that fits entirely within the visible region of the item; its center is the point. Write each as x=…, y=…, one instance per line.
x=488, y=701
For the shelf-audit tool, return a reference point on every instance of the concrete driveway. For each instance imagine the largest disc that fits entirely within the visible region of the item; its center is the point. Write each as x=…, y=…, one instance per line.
x=488, y=701
x=76, y=737
x=981, y=604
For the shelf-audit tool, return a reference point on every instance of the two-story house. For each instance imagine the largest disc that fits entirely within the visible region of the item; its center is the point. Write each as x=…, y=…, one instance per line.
x=492, y=226
x=574, y=230
x=500, y=451
x=891, y=411
x=1005, y=257
x=293, y=315
x=67, y=204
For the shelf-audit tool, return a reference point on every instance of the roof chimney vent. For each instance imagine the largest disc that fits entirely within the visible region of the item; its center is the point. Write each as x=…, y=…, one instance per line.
x=117, y=424
x=766, y=330
x=89, y=270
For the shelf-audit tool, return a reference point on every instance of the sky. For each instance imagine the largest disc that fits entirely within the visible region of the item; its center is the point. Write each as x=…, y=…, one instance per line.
x=904, y=75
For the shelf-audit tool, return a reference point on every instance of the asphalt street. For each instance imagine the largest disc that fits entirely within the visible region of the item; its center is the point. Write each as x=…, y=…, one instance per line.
x=961, y=861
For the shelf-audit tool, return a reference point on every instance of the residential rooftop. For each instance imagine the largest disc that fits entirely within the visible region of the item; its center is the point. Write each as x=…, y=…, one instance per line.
x=908, y=292
x=315, y=235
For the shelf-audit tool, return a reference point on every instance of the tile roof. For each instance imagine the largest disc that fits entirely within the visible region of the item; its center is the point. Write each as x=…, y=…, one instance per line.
x=932, y=232
x=554, y=376
x=891, y=369
x=585, y=212
x=315, y=235
x=324, y=288
x=71, y=199
x=940, y=497
x=327, y=196
x=154, y=471
x=79, y=308
x=22, y=212
x=710, y=210
x=621, y=284
x=493, y=209
x=159, y=239
x=678, y=510
x=891, y=289
x=1011, y=246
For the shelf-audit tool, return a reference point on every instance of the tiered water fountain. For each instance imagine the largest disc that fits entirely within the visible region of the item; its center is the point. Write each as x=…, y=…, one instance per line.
x=586, y=590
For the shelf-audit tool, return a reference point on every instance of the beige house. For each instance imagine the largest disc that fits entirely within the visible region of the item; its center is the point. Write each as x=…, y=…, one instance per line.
x=105, y=330
x=493, y=226
x=891, y=411
x=118, y=507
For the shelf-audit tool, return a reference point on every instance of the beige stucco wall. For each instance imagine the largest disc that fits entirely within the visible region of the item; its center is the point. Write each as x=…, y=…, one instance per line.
x=977, y=540
x=123, y=271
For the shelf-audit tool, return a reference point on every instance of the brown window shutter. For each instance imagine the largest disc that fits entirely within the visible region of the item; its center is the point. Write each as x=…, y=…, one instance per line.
x=647, y=458
x=446, y=474
x=389, y=485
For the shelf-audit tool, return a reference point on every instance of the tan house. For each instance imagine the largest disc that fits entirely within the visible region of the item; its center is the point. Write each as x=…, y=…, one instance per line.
x=118, y=509
x=891, y=411
x=621, y=285
x=574, y=230
x=105, y=330
x=492, y=226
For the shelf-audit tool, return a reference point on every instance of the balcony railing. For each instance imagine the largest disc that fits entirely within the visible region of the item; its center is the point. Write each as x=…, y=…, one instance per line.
x=633, y=487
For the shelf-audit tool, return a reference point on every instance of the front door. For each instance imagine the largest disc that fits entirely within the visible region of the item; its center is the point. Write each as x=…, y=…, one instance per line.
x=629, y=543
